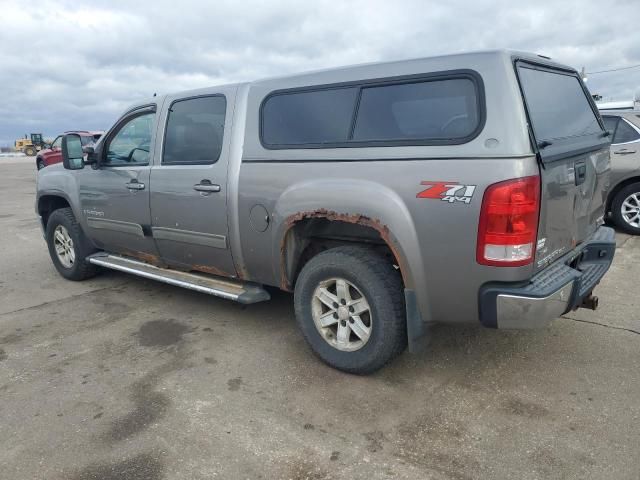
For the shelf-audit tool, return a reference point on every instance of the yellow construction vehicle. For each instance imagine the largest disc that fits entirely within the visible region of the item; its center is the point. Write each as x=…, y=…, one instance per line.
x=30, y=146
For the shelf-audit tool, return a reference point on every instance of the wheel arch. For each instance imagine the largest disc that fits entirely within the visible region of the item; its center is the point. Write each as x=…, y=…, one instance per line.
x=308, y=233
x=48, y=203
x=370, y=212
x=619, y=186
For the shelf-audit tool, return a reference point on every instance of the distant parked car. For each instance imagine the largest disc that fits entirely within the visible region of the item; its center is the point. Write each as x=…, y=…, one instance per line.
x=624, y=195
x=53, y=155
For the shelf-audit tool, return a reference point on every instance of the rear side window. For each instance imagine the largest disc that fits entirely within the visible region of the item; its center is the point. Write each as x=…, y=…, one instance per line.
x=416, y=111
x=610, y=123
x=310, y=117
x=435, y=110
x=625, y=133
x=557, y=104
x=194, y=132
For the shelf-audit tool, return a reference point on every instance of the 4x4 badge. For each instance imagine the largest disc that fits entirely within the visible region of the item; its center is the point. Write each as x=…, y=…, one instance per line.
x=447, y=191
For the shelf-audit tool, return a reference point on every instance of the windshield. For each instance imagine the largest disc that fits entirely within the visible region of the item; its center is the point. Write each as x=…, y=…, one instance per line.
x=89, y=140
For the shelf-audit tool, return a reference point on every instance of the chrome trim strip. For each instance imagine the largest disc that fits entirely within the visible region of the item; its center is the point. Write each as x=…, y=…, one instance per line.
x=186, y=236
x=116, y=226
x=160, y=278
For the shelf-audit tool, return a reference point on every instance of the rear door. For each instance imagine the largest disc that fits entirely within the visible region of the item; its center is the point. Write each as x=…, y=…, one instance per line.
x=189, y=183
x=573, y=150
x=625, y=148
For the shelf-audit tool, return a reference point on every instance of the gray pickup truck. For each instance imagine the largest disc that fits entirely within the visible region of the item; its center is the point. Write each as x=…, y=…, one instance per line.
x=387, y=197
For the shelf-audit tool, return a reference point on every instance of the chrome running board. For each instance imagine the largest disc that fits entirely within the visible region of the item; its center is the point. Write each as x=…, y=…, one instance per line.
x=218, y=286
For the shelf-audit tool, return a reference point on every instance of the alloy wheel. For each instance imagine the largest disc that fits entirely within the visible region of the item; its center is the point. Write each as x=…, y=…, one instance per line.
x=342, y=314
x=64, y=246
x=630, y=210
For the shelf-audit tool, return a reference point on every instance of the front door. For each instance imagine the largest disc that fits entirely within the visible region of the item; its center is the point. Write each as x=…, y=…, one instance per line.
x=115, y=197
x=189, y=184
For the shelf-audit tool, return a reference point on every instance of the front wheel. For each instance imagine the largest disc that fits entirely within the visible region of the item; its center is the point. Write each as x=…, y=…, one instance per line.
x=350, y=307
x=68, y=246
x=40, y=164
x=29, y=151
x=625, y=209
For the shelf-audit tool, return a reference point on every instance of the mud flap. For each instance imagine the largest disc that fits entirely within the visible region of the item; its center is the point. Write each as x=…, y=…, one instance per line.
x=417, y=329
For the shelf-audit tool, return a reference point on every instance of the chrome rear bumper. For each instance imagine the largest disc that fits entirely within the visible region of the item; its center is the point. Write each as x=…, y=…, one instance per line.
x=561, y=287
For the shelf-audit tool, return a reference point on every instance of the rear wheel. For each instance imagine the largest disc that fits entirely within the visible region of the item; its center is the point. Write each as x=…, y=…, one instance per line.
x=68, y=246
x=30, y=151
x=350, y=307
x=625, y=209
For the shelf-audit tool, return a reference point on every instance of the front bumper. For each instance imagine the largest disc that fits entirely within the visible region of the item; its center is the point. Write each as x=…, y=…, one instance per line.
x=552, y=292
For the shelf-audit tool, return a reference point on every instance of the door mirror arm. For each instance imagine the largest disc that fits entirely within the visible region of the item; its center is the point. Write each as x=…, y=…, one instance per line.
x=92, y=156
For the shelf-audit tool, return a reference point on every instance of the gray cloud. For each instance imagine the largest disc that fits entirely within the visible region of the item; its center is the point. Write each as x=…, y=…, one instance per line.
x=77, y=64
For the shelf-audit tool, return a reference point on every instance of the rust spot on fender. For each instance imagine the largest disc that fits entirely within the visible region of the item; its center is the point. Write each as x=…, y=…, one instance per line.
x=331, y=215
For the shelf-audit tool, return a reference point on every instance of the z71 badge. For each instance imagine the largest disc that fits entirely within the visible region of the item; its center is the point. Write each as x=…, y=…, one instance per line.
x=447, y=192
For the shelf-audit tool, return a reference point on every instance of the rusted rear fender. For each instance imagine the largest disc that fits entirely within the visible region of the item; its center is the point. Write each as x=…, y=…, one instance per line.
x=353, y=201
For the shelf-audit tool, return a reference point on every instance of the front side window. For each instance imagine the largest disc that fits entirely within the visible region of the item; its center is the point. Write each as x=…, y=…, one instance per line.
x=132, y=143
x=195, y=129
x=57, y=143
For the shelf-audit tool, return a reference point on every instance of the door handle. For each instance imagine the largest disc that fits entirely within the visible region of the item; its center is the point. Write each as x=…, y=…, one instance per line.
x=581, y=172
x=206, y=186
x=624, y=151
x=135, y=185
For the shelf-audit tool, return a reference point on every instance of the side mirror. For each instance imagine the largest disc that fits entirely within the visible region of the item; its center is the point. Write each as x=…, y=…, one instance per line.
x=72, y=154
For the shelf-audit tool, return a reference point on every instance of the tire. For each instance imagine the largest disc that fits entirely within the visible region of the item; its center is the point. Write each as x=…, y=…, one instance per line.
x=29, y=151
x=62, y=221
x=40, y=164
x=370, y=275
x=625, y=204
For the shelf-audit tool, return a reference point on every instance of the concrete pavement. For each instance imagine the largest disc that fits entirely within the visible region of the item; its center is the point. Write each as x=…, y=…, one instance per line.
x=122, y=378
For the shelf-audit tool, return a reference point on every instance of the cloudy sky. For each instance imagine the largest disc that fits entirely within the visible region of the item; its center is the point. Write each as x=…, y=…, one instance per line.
x=77, y=64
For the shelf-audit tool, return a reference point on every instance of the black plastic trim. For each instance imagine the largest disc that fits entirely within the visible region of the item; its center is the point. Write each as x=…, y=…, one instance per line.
x=417, y=329
x=377, y=82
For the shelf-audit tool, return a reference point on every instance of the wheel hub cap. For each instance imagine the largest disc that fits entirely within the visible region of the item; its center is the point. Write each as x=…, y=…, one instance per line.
x=341, y=314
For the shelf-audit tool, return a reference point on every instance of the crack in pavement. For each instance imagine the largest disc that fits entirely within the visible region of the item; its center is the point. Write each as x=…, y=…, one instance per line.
x=71, y=297
x=631, y=330
x=623, y=243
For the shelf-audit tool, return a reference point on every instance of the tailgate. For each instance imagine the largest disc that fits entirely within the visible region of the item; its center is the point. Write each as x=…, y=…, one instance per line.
x=573, y=150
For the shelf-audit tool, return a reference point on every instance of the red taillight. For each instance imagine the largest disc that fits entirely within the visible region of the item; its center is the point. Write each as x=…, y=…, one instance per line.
x=509, y=223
